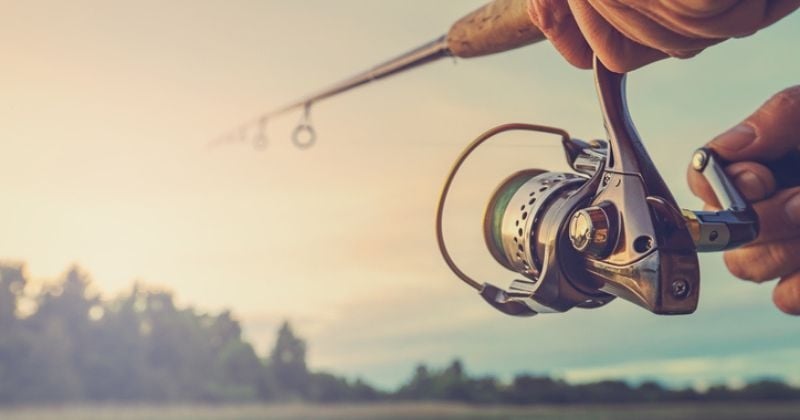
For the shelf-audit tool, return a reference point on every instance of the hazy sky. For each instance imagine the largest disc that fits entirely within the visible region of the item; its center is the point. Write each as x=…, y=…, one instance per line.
x=106, y=109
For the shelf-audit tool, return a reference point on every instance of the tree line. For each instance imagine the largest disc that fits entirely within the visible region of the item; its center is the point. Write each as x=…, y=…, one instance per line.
x=64, y=343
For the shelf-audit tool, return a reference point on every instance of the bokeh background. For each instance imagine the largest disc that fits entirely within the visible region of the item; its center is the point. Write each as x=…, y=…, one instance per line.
x=106, y=114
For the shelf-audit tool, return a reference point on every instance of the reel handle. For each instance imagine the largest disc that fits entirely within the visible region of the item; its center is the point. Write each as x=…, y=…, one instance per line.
x=737, y=223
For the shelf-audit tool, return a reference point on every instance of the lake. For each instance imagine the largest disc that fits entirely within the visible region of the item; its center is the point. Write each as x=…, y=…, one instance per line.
x=409, y=410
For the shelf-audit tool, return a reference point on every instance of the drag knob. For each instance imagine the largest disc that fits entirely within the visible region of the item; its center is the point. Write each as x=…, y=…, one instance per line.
x=589, y=231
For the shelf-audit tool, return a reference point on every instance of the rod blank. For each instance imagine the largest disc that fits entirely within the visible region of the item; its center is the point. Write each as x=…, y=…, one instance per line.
x=421, y=55
x=498, y=26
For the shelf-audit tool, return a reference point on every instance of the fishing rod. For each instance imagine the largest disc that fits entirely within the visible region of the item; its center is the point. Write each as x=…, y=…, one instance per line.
x=498, y=26
x=609, y=228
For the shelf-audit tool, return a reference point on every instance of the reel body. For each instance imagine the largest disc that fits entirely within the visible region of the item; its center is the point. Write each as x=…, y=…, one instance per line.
x=610, y=229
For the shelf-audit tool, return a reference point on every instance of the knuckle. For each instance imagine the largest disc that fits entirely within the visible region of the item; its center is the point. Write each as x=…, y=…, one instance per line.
x=787, y=100
x=738, y=266
x=764, y=262
x=548, y=15
x=757, y=264
x=776, y=258
x=791, y=94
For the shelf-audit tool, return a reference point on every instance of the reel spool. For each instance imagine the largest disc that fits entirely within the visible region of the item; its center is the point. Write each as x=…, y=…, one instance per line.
x=610, y=229
x=523, y=222
x=512, y=221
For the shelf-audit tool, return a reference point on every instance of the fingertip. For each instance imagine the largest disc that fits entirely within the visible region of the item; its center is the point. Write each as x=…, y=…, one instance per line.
x=578, y=55
x=699, y=187
x=625, y=55
x=555, y=20
x=786, y=294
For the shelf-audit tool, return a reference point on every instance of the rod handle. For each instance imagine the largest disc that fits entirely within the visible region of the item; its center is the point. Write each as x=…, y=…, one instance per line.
x=498, y=26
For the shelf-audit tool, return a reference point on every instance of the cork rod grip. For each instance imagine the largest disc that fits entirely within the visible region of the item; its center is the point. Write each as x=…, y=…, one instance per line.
x=498, y=26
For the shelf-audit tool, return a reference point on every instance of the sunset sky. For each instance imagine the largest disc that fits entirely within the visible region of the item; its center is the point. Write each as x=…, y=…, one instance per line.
x=107, y=109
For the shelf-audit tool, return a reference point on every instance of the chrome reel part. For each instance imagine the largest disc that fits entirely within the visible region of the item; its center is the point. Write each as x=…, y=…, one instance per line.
x=523, y=226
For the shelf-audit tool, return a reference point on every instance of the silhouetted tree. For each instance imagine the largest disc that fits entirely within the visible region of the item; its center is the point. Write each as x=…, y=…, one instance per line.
x=526, y=389
x=769, y=389
x=419, y=387
x=15, y=344
x=287, y=364
x=69, y=345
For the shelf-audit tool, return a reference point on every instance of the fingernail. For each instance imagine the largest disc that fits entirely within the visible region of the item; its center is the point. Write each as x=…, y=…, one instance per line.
x=737, y=138
x=793, y=209
x=750, y=185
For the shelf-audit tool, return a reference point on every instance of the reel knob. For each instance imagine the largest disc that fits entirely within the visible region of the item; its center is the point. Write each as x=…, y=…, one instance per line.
x=589, y=232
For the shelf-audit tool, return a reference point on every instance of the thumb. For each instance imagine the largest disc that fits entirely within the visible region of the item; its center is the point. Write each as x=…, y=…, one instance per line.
x=769, y=133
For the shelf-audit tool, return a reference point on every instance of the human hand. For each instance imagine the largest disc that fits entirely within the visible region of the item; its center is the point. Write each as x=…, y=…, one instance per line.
x=628, y=34
x=770, y=133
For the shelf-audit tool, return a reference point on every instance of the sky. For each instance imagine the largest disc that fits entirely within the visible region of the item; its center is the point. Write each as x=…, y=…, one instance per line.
x=107, y=109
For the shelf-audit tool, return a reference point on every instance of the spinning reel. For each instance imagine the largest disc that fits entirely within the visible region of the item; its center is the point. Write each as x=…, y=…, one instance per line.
x=610, y=229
